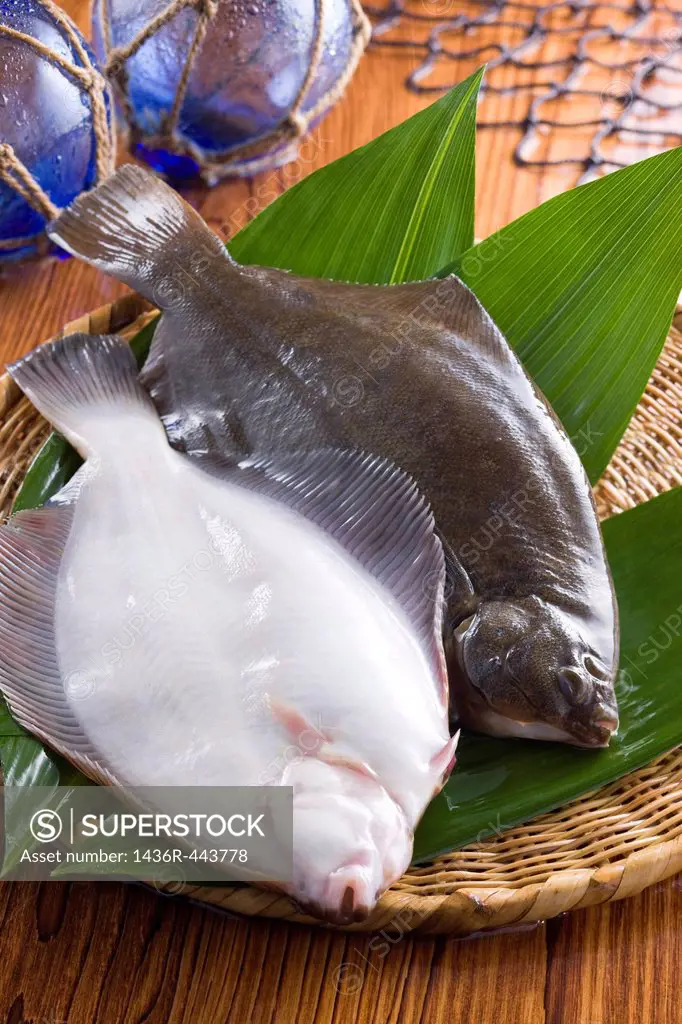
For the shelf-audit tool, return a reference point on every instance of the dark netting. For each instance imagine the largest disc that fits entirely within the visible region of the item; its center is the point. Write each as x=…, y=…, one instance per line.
x=605, y=79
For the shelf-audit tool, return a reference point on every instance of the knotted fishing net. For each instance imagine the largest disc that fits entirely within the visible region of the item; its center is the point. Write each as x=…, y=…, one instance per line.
x=604, y=77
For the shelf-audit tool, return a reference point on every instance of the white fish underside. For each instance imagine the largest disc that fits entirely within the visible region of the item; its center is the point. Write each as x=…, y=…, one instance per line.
x=161, y=550
x=263, y=625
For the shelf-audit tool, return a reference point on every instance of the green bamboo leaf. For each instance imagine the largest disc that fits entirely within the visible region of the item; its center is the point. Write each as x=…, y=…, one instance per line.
x=397, y=209
x=500, y=783
x=53, y=466
x=25, y=762
x=585, y=287
x=26, y=765
x=8, y=727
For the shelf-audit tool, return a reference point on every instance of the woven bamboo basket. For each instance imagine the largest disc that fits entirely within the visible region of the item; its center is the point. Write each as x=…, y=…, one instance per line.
x=605, y=846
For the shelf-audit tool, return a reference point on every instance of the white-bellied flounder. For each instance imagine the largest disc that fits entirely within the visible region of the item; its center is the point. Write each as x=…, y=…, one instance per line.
x=294, y=602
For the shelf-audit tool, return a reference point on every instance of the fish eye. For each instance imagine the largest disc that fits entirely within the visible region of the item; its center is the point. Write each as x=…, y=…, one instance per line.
x=573, y=685
x=595, y=667
x=462, y=628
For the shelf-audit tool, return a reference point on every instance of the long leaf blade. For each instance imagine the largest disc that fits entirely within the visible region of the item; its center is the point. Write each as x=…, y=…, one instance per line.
x=397, y=209
x=585, y=287
x=25, y=762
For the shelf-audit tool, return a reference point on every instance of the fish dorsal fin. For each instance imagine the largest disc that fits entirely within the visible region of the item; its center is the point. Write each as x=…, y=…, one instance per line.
x=31, y=548
x=376, y=513
x=453, y=306
x=446, y=305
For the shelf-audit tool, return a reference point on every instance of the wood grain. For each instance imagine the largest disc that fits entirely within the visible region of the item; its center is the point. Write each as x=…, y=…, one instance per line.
x=87, y=953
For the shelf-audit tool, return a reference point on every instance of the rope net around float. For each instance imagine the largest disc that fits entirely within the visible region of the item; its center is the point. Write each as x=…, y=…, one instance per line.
x=606, y=72
x=245, y=158
x=13, y=171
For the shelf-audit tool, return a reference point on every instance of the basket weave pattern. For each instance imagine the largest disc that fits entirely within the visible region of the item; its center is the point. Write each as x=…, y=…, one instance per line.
x=604, y=846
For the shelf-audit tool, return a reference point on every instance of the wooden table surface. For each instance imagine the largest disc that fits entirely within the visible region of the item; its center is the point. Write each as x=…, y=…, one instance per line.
x=86, y=953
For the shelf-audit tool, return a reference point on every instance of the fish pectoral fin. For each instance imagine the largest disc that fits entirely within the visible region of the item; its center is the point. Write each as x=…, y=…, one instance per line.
x=308, y=738
x=462, y=602
x=349, y=764
x=31, y=547
x=444, y=761
x=461, y=594
x=376, y=513
x=315, y=741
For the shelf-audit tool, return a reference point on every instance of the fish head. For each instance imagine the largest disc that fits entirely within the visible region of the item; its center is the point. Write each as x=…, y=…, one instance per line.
x=351, y=840
x=526, y=668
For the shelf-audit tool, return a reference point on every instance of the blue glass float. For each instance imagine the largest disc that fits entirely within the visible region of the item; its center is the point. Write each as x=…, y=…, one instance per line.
x=221, y=87
x=55, y=122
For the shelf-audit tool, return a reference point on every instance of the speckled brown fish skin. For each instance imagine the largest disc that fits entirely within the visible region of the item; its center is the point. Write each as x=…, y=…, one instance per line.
x=249, y=360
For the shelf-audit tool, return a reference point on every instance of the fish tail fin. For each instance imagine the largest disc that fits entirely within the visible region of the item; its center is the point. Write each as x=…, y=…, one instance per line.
x=75, y=380
x=136, y=228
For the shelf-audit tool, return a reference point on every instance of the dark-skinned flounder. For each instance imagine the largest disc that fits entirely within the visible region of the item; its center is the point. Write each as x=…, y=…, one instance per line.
x=248, y=361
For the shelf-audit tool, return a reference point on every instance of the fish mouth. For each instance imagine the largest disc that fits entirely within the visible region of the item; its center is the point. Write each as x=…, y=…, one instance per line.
x=348, y=904
x=349, y=896
x=600, y=729
x=592, y=730
x=592, y=734
x=506, y=727
x=595, y=736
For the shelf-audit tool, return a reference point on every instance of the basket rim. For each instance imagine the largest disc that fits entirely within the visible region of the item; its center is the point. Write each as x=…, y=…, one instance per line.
x=466, y=909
